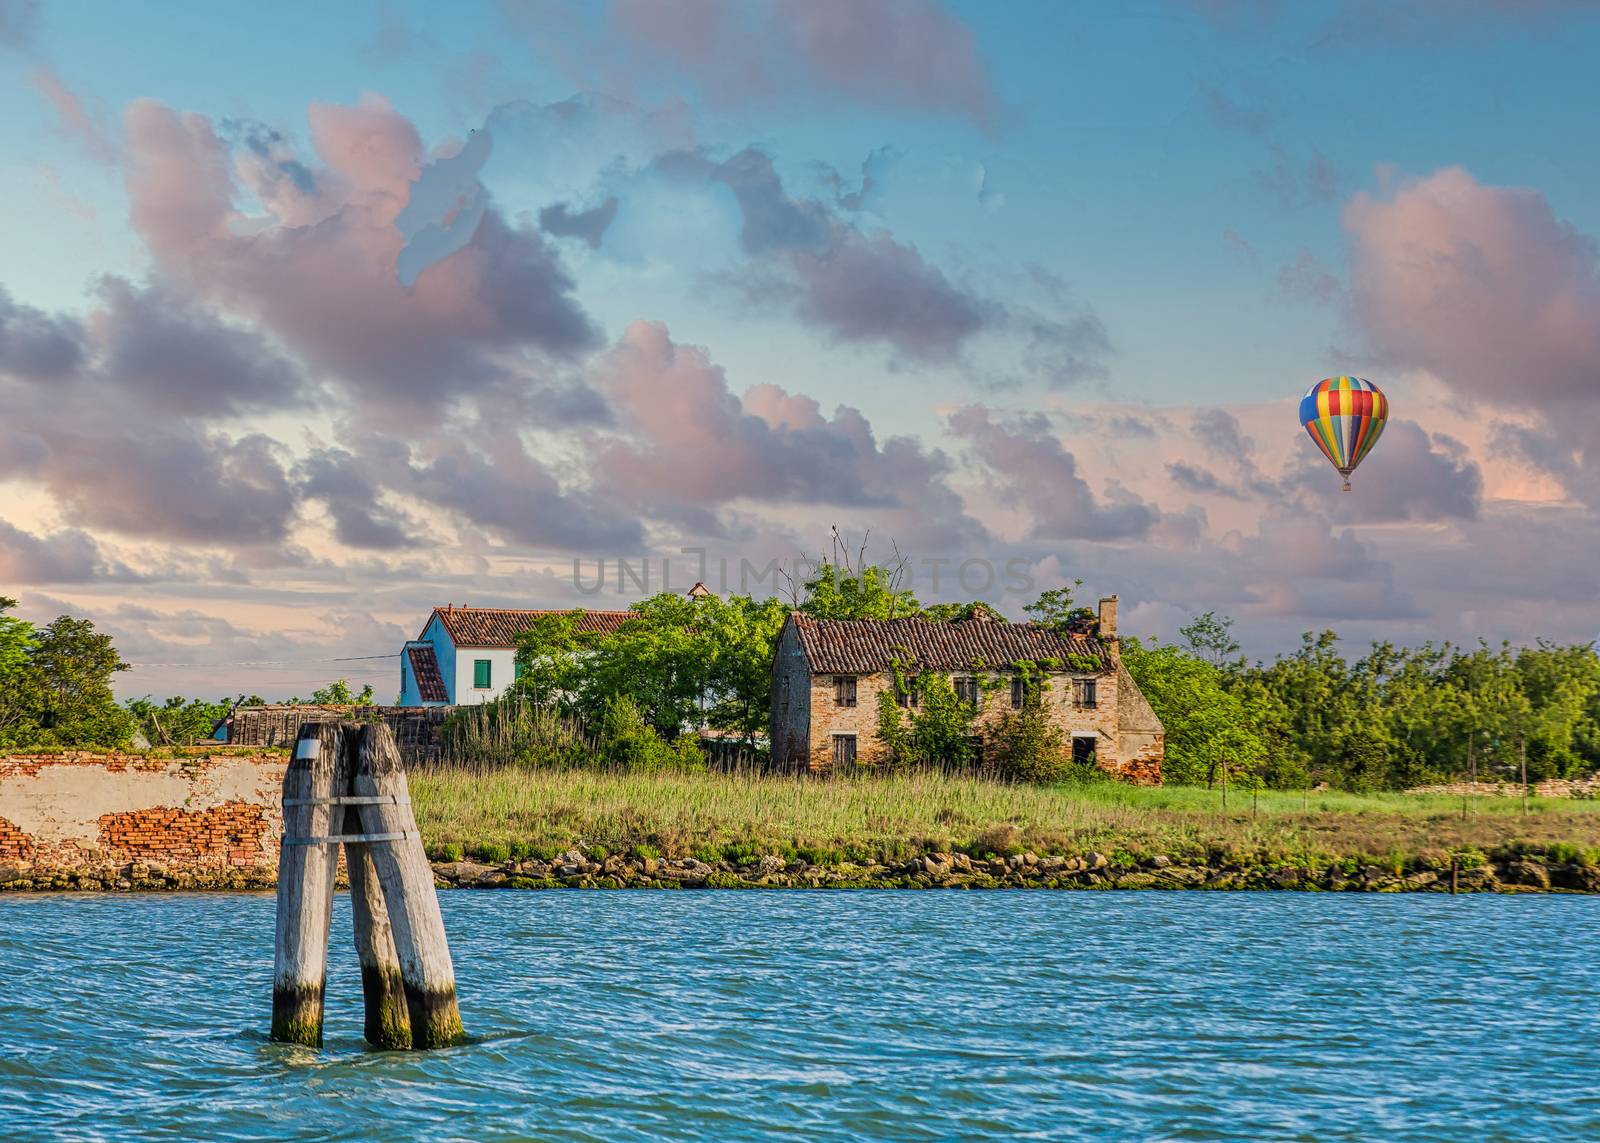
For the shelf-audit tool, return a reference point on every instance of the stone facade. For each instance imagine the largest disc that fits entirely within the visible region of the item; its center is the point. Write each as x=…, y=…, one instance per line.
x=810, y=714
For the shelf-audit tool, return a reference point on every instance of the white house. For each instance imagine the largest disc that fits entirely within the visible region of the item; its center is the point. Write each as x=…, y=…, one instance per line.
x=468, y=654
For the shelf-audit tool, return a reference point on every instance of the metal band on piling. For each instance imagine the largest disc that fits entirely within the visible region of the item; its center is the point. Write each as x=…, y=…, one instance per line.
x=353, y=838
x=351, y=800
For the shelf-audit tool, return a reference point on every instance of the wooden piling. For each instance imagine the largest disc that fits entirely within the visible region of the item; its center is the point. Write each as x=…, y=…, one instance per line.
x=406, y=880
x=388, y=1019
x=306, y=868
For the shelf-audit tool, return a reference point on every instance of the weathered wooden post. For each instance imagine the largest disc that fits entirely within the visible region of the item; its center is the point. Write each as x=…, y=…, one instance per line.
x=307, y=863
x=388, y=1021
x=384, y=801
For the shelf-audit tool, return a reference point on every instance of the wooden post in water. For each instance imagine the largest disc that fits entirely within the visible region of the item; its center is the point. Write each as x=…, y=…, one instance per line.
x=388, y=1020
x=306, y=866
x=406, y=879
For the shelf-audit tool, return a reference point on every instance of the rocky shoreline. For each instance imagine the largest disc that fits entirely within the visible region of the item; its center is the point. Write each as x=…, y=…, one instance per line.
x=1523, y=873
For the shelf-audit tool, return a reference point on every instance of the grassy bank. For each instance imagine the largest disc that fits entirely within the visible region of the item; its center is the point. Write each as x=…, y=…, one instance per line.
x=732, y=818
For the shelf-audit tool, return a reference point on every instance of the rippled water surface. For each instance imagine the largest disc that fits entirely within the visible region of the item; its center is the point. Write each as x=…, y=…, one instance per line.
x=873, y=1015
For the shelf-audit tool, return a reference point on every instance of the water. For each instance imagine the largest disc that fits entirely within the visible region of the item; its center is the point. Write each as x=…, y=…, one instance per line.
x=821, y=1016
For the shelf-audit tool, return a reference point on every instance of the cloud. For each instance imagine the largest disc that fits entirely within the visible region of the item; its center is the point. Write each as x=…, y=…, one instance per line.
x=1483, y=286
x=324, y=278
x=1296, y=182
x=118, y=418
x=172, y=484
x=75, y=120
x=866, y=286
x=589, y=225
x=690, y=443
x=1027, y=466
x=1411, y=474
x=1306, y=279
x=159, y=346
x=910, y=55
x=35, y=345
x=69, y=556
x=338, y=479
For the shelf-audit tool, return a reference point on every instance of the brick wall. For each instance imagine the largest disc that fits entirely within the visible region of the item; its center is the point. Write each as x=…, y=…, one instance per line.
x=14, y=844
x=232, y=833
x=205, y=809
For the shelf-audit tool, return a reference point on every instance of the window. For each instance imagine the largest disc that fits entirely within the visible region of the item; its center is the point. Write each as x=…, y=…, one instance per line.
x=1083, y=692
x=844, y=750
x=480, y=674
x=844, y=690
x=907, y=694
x=967, y=691
x=1019, y=692
x=1082, y=750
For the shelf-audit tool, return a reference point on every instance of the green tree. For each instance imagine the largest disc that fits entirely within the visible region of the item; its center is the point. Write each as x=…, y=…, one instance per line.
x=1210, y=637
x=936, y=731
x=952, y=612
x=682, y=661
x=1025, y=745
x=18, y=702
x=71, y=666
x=338, y=693
x=178, y=721
x=1056, y=609
x=1208, y=728
x=838, y=591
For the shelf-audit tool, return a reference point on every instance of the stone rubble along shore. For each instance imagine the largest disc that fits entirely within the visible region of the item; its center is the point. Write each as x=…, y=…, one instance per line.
x=575, y=870
x=1021, y=871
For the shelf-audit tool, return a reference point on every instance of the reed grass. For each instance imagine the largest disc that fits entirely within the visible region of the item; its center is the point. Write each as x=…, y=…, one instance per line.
x=863, y=819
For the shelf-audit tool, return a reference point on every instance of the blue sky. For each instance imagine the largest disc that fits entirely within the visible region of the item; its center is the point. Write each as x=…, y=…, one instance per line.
x=1172, y=192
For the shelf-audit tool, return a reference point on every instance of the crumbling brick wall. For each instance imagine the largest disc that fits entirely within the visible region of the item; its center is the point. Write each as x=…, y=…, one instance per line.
x=78, y=817
x=14, y=844
x=230, y=833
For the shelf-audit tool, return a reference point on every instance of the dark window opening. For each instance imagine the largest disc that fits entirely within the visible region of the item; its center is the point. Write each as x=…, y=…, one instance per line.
x=1083, y=751
x=907, y=695
x=844, y=690
x=1084, y=692
x=844, y=749
x=967, y=691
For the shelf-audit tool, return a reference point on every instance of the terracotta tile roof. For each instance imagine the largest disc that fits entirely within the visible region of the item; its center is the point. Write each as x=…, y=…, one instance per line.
x=425, y=669
x=500, y=626
x=862, y=646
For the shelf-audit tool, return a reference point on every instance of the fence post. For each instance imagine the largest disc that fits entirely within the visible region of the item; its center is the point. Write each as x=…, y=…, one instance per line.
x=406, y=880
x=306, y=868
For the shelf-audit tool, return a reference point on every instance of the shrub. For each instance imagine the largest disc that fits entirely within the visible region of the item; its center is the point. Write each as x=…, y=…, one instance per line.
x=1026, y=746
x=494, y=853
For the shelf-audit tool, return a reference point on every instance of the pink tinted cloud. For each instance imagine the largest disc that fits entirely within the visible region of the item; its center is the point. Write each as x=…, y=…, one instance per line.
x=327, y=284
x=691, y=446
x=74, y=119
x=1481, y=285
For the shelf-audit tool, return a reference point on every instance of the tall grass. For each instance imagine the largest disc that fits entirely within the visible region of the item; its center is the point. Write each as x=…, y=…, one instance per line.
x=897, y=815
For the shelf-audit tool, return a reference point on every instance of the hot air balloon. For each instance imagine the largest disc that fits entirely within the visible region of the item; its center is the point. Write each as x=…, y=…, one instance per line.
x=1345, y=416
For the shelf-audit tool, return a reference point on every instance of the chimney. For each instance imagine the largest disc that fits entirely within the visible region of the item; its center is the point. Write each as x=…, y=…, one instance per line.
x=1108, y=617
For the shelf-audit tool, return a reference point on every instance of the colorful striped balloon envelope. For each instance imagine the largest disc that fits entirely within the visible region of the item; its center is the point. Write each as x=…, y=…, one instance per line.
x=1345, y=416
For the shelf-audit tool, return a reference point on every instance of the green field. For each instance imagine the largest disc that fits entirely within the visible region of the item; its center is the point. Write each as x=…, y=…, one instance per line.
x=861, y=820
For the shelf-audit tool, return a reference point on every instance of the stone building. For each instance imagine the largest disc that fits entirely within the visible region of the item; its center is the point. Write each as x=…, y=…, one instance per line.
x=828, y=673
